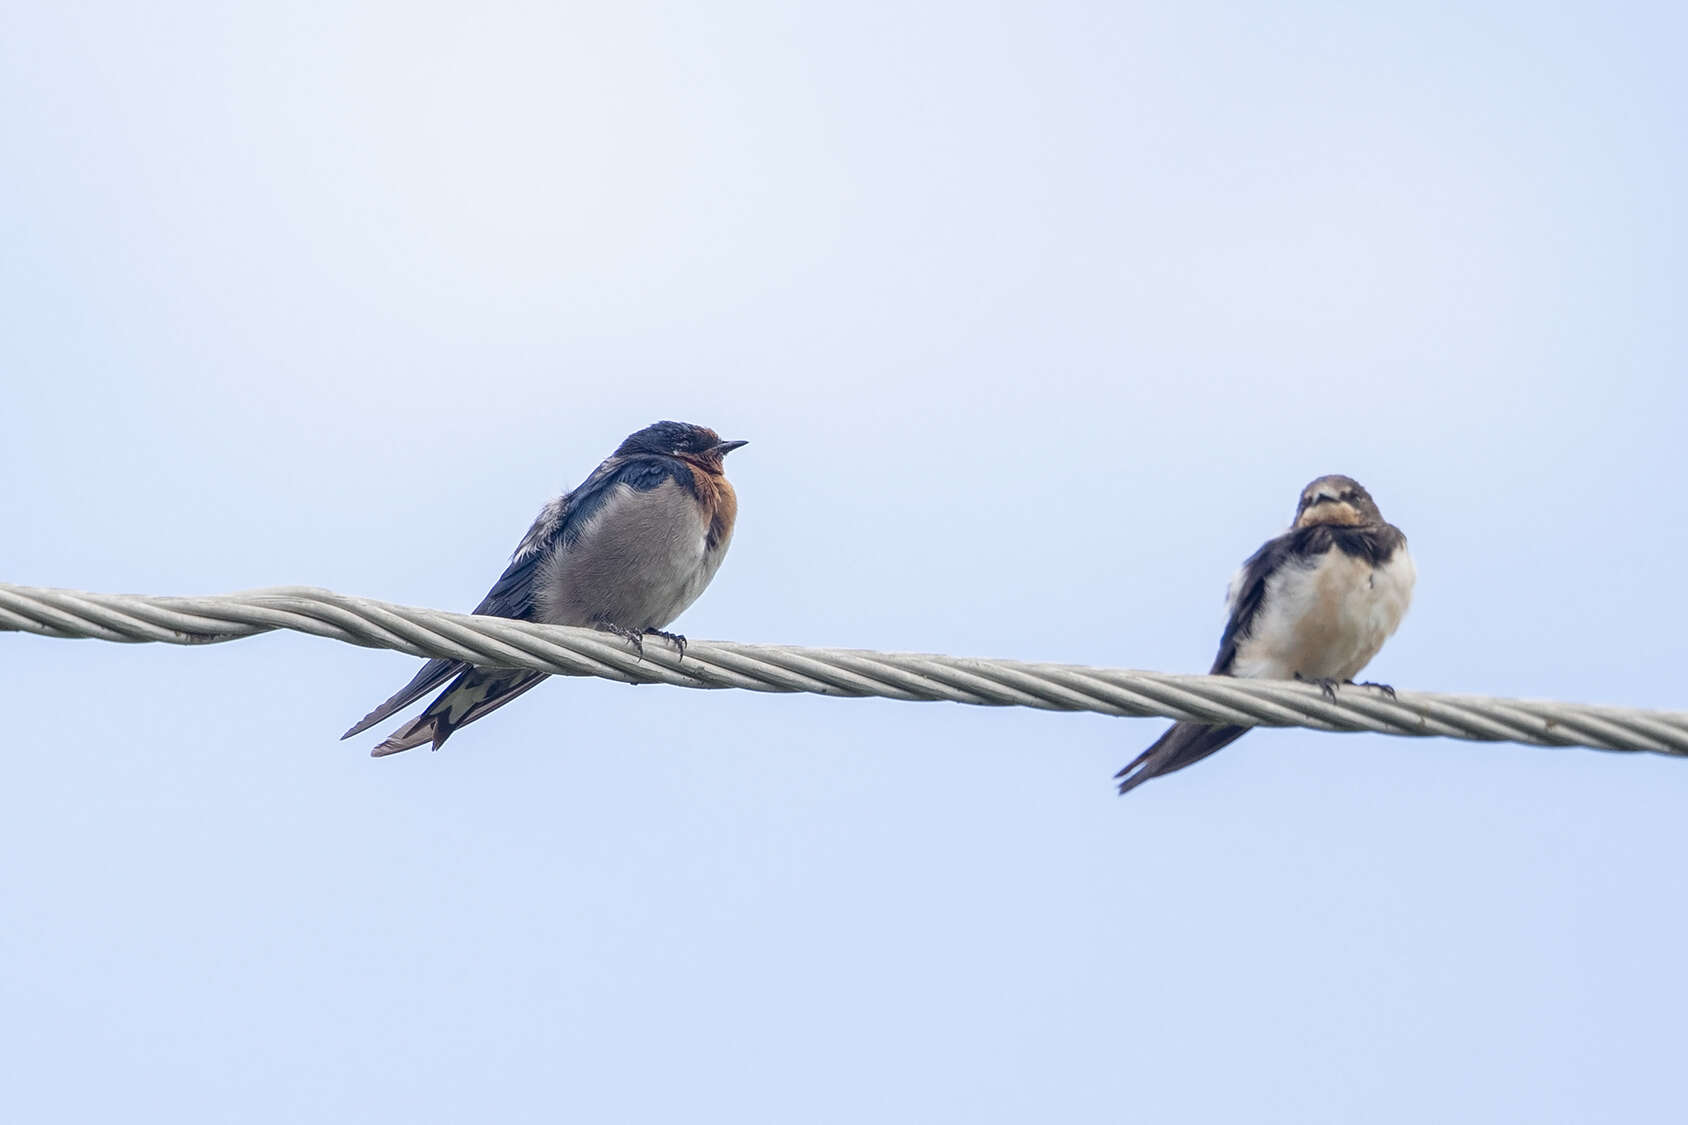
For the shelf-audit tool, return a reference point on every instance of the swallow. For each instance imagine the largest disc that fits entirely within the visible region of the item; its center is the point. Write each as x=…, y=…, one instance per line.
x=627, y=552
x=1316, y=603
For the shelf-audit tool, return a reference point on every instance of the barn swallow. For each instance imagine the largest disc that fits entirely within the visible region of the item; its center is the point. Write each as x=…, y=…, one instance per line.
x=1316, y=603
x=627, y=551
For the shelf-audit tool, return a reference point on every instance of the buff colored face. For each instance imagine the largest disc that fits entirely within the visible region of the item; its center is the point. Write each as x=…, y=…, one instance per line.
x=1336, y=500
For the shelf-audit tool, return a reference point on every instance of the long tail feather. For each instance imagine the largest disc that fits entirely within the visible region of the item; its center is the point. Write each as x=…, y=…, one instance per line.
x=477, y=692
x=1183, y=744
x=433, y=674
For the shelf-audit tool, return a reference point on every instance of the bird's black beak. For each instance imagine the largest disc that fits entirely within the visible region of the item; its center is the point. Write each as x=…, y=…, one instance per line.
x=726, y=447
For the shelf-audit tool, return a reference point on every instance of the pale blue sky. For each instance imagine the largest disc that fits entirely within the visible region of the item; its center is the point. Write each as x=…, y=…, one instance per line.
x=1037, y=318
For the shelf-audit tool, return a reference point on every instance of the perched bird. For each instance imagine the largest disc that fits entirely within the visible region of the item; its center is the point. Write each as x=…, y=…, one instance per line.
x=627, y=551
x=1316, y=603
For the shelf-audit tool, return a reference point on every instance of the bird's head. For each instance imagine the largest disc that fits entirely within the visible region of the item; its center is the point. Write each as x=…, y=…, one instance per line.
x=700, y=445
x=1336, y=499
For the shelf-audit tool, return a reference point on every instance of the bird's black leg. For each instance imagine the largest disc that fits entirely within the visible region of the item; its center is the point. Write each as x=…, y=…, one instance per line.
x=679, y=639
x=1384, y=688
x=1327, y=684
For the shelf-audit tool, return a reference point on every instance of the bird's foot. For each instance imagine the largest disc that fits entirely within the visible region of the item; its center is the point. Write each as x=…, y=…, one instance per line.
x=1384, y=688
x=678, y=639
x=635, y=636
x=1327, y=684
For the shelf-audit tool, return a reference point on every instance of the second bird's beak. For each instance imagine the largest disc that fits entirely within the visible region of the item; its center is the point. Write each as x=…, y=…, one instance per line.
x=727, y=447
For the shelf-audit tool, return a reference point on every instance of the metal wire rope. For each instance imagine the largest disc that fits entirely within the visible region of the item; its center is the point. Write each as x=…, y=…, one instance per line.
x=568, y=651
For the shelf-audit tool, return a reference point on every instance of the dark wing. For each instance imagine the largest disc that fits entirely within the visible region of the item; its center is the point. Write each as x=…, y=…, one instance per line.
x=1187, y=743
x=559, y=525
x=510, y=596
x=1248, y=588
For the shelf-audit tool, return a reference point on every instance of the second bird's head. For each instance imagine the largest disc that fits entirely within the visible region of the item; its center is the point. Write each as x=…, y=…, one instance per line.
x=1336, y=499
x=700, y=445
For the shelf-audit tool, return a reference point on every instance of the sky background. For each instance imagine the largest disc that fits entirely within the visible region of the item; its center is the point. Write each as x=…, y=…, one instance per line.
x=1037, y=318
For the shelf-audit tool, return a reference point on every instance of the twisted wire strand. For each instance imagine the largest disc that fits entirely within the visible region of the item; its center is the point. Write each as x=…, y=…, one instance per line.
x=567, y=651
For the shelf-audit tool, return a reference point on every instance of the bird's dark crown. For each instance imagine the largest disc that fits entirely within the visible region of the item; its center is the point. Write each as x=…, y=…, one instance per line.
x=671, y=439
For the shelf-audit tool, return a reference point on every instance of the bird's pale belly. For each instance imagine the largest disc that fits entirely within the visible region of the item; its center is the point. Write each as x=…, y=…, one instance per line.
x=1327, y=621
x=602, y=589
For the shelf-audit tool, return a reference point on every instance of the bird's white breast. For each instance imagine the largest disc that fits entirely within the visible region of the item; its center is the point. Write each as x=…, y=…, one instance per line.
x=1326, y=619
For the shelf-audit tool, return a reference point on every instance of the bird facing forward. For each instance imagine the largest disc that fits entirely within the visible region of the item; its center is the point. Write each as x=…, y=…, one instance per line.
x=1316, y=603
x=627, y=551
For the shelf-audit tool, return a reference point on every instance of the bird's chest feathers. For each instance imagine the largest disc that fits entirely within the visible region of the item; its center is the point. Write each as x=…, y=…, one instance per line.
x=1329, y=618
x=718, y=506
x=641, y=558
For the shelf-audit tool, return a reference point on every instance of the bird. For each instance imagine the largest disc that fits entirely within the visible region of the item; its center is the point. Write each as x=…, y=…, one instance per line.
x=626, y=552
x=1315, y=603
